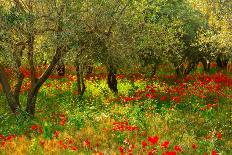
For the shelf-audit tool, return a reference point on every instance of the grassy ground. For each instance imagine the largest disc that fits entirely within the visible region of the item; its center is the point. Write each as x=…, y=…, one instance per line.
x=163, y=115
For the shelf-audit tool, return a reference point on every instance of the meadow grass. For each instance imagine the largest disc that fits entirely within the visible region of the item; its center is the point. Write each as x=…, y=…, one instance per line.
x=164, y=115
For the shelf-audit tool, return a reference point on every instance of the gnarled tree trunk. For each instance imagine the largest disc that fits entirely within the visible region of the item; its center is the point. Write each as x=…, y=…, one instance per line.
x=111, y=79
x=32, y=94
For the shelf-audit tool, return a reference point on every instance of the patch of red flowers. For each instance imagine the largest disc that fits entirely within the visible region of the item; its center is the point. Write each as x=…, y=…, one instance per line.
x=3, y=143
x=128, y=99
x=165, y=144
x=37, y=128
x=169, y=153
x=152, y=151
x=153, y=140
x=178, y=148
x=121, y=150
x=124, y=126
x=214, y=152
x=63, y=119
x=66, y=146
x=56, y=134
x=150, y=96
x=163, y=98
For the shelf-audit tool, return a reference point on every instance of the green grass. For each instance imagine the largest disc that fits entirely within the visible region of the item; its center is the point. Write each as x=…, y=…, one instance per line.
x=92, y=118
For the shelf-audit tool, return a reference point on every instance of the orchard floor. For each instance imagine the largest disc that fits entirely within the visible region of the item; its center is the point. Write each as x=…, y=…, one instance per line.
x=163, y=116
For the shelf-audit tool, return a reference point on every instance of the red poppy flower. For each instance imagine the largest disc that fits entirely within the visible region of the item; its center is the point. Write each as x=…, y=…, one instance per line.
x=214, y=152
x=42, y=143
x=130, y=152
x=121, y=150
x=144, y=144
x=178, y=148
x=163, y=98
x=34, y=127
x=169, y=153
x=8, y=137
x=194, y=146
x=165, y=144
x=152, y=90
x=1, y=136
x=219, y=135
x=60, y=142
x=3, y=143
x=100, y=153
x=153, y=140
x=74, y=148
x=150, y=96
x=87, y=142
x=65, y=146
x=56, y=134
x=176, y=99
x=70, y=141
x=152, y=151
x=120, y=76
x=41, y=130
x=62, y=122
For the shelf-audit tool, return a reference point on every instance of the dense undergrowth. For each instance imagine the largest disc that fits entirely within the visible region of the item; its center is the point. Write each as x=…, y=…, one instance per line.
x=164, y=115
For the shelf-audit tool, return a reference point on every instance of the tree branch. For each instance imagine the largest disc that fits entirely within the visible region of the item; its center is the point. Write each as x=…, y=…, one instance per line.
x=116, y=20
x=30, y=56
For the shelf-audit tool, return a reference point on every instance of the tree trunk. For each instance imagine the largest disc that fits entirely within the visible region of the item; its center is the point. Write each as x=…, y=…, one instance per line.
x=61, y=68
x=89, y=69
x=32, y=95
x=180, y=71
x=206, y=64
x=17, y=87
x=80, y=80
x=13, y=104
x=111, y=80
x=221, y=61
x=191, y=66
x=31, y=101
x=154, y=69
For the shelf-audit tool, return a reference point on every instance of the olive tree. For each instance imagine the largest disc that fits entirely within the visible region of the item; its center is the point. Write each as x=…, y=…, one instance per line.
x=216, y=39
x=104, y=35
x=21, y=26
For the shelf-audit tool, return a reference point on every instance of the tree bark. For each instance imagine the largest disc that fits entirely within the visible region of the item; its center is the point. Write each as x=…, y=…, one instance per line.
x=222, y=61
x=180, y=71
x=205, y=64
x=31, y=100
x=30, y=56
x=80, y=80
x=14, y=106
x=154, y=69
x=61, y=68
x=32, y=95
x=20, y=77
x=190, y=67
x=111, y=80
